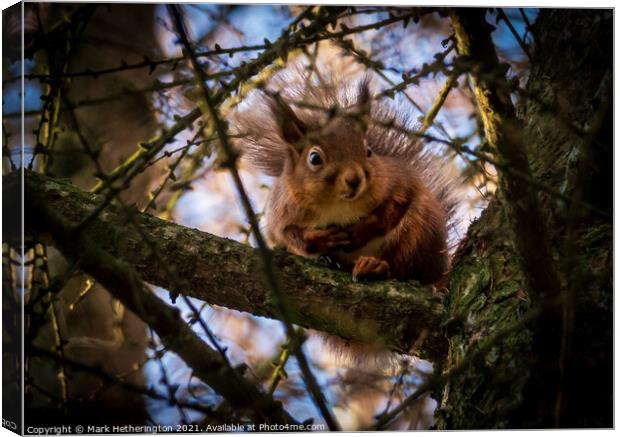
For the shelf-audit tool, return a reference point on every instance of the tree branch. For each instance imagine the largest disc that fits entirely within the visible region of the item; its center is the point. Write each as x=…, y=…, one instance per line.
x=226, y=273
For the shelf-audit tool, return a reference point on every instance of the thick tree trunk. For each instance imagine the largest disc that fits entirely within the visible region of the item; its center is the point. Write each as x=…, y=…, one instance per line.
x=557, y=370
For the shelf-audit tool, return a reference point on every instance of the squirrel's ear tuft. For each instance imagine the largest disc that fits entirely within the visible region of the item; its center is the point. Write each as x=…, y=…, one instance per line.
x=293, y=129
x=363, y=100
x=364, y=94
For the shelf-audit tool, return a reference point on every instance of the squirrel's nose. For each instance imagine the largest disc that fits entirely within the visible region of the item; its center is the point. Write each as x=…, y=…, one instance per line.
x=353, y=181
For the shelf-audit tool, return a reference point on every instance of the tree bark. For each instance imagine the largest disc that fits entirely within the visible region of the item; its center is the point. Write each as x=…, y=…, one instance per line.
x=557, y=370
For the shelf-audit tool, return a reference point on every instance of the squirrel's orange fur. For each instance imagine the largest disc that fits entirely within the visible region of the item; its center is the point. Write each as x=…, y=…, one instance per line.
x=347, y=186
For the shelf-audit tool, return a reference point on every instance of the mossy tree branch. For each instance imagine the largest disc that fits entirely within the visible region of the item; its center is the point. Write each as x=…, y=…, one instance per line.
x=223, y=272
x=122, y=281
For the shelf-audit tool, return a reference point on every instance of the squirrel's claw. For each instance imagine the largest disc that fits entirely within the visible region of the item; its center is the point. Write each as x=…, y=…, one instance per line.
x=369, y=267
x=326, y=259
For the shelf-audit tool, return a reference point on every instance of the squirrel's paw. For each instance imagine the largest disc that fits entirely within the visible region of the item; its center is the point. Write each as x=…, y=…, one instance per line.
x=369, y=267
x=323, y=240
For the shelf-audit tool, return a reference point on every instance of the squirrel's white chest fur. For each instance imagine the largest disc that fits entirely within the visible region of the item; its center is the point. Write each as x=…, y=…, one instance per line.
x=343, y=214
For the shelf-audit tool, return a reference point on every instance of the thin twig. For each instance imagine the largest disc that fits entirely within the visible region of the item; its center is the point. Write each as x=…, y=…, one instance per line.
x=528, y=26
x=153, y=64
x=172, y=399
x=502, y=16
x=428, y=119
x=111, y=380
x=278, y=371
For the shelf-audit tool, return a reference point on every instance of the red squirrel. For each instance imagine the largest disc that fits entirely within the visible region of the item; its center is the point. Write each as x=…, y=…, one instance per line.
x=348, y=185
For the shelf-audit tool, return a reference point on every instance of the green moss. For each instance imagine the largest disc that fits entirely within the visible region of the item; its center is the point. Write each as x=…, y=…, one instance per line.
x=505, y=290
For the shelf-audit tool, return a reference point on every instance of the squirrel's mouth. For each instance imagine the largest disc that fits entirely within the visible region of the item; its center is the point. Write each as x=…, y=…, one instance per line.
x=349, y=196
x=352, y=194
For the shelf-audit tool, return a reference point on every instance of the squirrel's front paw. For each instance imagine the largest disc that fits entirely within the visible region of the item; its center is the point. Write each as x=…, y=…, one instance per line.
x=324, y=240
x=369, y=267
x=362, y=232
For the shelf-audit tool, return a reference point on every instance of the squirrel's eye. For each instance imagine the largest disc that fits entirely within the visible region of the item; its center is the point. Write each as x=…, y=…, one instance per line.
x=314, y=159
x=369, y=152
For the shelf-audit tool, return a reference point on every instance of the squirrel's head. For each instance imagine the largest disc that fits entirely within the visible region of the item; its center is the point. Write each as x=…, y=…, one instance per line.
x=329, y=160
